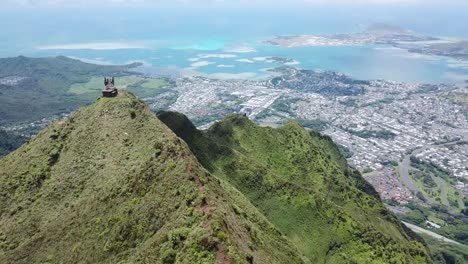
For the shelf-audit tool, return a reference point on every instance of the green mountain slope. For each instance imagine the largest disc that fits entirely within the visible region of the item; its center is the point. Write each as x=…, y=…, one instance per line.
x=113, y=184
x=43, y=91
x=302, y=184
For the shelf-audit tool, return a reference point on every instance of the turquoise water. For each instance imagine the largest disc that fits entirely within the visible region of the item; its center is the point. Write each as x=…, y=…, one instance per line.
x=207, y=41
x=366, y=62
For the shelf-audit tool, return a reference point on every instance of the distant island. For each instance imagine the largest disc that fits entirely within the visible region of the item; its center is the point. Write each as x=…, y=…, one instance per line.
x=375, y=34
x=381, y=34
x=457, y=50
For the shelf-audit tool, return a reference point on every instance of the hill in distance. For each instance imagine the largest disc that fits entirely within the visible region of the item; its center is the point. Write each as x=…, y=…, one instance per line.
x=43, y=88
x=114, y=184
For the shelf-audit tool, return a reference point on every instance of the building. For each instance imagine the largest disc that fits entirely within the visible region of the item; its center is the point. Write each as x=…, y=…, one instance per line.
x=109, y=90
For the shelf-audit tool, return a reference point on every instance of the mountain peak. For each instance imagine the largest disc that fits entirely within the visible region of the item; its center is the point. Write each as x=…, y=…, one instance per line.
x=116, y=183
x=301, y=183
x=112, y=183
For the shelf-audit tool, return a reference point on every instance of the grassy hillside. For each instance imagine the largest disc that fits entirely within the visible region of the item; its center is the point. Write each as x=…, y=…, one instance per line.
x=44, y=89
x=302, y=184
x=113, y=184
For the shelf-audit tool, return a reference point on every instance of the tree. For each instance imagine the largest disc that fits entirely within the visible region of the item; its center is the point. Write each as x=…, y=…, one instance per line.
x=420, y=195
x=464, y=211
x=414, y=159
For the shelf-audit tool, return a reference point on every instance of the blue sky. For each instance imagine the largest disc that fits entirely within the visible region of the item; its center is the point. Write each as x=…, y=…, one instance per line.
x=431, y=17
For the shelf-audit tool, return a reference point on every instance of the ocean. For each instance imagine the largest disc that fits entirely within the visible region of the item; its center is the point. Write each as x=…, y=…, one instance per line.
x=221, y=43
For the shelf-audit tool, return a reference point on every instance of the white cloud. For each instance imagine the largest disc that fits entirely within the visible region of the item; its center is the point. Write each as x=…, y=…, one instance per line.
x=240, y=49
x=245, y=60
x=201, y=64
x=218, y=56
x=97, y=61
x=93, y=46
x=294, y=62
x=366, y=1
x=210, y=2
x=225, y=66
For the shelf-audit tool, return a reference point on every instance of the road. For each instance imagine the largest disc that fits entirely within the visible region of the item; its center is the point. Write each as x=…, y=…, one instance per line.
x=404, y=167
x=420, y=230
x=404, y=173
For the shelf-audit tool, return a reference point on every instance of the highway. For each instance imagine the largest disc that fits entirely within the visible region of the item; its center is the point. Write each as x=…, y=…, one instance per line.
x=420, y=230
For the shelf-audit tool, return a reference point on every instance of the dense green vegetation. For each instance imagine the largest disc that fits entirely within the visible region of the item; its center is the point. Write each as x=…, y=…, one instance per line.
x=458, y=232
x=302, y=184
x=45, y=91
x=345, y=151
x=350, y=102
x=142, y=87
x=454, y=197
x=431, y=168
x=10, y=142
x=112, y=184
x=316, y=124
x=425, y=178
x=459, y=98
x=446, y=253
x=453, y=226
x=283, y=104
x=383, y=134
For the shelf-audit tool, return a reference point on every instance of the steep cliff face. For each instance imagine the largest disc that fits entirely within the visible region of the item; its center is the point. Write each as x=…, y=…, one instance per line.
x=302, y=184
x=113, y=184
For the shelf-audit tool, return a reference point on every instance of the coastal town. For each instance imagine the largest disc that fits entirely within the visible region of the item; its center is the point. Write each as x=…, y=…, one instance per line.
x=11, y=80
x=379, y=123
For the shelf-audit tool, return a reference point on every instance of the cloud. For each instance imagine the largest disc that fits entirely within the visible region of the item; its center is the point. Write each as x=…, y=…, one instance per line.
x=225, y=66
x=211, y=2
x=245, y=60
x=241, y=49
x=365, y=1
x=97, y=61
x=218, y=56
x=291, y=63
x=93, y=46
x=201, y=64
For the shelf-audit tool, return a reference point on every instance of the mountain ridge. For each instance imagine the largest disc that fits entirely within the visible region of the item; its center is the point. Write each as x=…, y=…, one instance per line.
x=296, y=177
x=116, y=183
x=112, y=183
